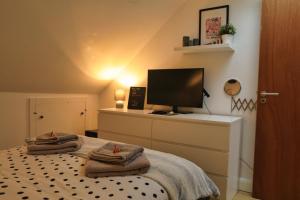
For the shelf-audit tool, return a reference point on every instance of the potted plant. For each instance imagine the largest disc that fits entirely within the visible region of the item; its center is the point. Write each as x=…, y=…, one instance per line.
x=227, y=32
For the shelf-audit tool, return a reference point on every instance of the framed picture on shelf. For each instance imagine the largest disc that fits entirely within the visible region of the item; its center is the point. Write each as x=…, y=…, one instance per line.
x=210, y=22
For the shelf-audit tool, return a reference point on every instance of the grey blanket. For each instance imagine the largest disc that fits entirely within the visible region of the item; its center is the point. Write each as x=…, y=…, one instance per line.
x=95, y=169
x=182, y=179
x=43, y=149
x=55, y=138
x=127, y=153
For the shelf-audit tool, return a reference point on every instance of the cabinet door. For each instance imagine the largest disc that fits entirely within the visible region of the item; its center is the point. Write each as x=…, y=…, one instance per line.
x=57, y=114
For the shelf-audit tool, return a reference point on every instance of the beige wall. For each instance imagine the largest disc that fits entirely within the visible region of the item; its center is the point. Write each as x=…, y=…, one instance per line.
x=65, y=47
x=73, y=46
x=219, y=67
x=77, y=46
x=68, y=47
x=14, y=120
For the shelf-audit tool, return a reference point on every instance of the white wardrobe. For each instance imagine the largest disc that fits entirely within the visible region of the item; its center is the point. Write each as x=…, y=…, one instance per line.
x=57, y=114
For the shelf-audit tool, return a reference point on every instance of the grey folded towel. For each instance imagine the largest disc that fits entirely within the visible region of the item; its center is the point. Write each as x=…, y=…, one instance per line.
x=127, y=153
x=55, y=138
x=95, y=169
x=43, y=149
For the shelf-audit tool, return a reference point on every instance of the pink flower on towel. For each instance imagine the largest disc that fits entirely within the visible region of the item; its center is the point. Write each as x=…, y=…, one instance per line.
x=116, y=149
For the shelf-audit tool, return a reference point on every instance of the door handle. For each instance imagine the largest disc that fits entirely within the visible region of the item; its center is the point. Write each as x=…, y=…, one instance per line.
x=264, y=93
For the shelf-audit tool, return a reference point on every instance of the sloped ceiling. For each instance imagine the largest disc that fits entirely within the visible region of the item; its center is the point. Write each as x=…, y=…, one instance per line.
x=74, y=46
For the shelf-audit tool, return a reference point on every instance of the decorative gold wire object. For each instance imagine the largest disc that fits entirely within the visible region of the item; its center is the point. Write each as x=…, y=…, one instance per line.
x=243, y=104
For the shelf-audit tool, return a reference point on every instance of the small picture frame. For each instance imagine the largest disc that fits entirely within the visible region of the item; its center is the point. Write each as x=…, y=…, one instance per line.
x=210, y=22
x=136, y=98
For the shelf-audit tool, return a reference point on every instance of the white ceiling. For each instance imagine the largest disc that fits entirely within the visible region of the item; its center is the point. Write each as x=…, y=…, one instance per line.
x=74, y=45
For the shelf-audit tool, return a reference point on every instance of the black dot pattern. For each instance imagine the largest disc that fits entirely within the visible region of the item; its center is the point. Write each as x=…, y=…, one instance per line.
x=61, y=176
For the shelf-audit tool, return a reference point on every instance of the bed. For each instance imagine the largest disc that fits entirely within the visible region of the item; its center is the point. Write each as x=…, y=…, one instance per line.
x=61, y=176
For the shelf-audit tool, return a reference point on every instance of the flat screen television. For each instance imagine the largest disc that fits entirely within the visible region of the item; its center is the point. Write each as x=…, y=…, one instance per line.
x=176, y=87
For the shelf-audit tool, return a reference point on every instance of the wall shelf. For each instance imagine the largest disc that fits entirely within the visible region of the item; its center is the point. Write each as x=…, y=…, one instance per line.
x=205, y=48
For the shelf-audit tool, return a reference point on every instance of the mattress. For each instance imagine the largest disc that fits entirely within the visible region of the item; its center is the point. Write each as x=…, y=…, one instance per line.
x=61, y=176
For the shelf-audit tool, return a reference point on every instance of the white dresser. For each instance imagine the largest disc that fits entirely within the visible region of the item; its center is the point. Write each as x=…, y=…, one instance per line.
x=210, y=141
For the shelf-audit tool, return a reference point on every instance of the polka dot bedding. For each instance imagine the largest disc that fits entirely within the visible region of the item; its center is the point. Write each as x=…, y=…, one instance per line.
x=61, y=177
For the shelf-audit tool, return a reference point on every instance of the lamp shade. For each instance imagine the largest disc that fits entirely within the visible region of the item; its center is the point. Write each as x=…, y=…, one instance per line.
x=120, y=95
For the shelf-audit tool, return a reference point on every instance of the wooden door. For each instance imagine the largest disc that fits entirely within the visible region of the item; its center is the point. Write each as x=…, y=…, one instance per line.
x=57, y=114
x=277, y=148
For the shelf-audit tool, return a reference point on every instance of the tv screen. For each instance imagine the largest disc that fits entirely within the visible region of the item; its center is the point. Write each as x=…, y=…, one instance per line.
x=176, y=87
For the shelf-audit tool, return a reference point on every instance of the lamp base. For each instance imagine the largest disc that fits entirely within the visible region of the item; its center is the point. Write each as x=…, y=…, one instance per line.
x=119, y=104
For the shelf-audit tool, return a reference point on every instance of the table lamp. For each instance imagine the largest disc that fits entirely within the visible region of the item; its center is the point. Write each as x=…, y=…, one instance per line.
x=119, y=98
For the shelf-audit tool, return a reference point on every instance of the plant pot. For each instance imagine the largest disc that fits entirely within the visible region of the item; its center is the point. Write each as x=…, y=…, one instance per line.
x=227, y=39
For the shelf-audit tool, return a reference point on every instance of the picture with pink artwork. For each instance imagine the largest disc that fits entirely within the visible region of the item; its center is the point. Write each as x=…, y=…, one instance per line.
x=210, y=22
x=213, y=26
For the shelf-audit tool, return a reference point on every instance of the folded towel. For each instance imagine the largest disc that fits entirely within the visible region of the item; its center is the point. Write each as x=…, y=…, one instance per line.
x=124, y=155
x=43, y=149
x=95, y=169
x=55, y=138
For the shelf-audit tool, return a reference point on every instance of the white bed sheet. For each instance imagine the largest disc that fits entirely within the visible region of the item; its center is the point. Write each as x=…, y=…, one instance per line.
x=182, y=179
x=61, y=176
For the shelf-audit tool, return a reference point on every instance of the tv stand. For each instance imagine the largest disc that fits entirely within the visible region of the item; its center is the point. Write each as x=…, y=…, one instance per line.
x=159, y=112
x=175, y=110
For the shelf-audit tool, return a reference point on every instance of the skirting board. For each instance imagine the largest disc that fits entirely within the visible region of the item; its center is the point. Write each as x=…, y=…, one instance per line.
x=245, y=185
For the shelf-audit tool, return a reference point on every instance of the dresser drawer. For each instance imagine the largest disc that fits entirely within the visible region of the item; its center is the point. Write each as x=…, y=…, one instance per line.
x=126, y=139
x=201, y=135
x=214, y=162
x=135, y=126
x=222, y=183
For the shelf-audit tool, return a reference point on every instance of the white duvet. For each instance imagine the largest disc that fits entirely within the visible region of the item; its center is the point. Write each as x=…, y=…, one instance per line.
x=182, y=179
x=61, y=176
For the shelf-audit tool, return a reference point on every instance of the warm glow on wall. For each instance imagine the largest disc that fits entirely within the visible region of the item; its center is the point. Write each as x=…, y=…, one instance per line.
x=118, y=74
x=127, y=80
x=109, y=73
